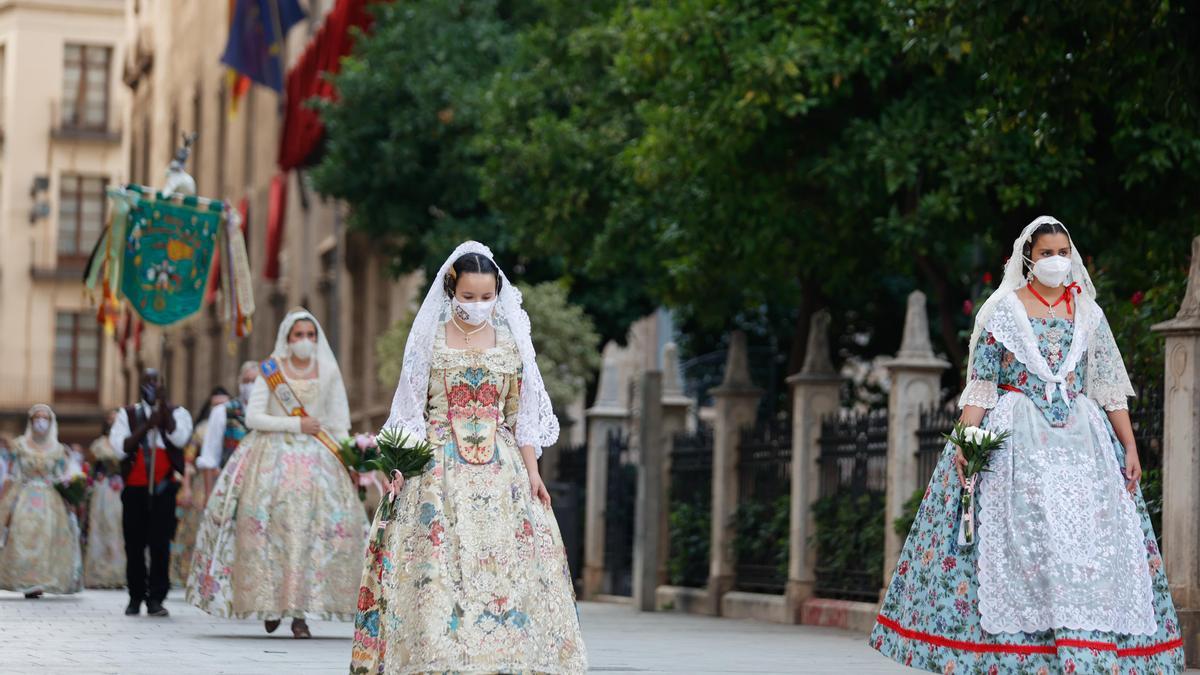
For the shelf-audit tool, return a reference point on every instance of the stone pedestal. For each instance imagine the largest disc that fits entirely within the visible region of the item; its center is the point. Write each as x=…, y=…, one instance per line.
x=1181, y=460
x=648, y=530
x=736, y=401
x=816, y=392
x=915, y=375
x=608, y=415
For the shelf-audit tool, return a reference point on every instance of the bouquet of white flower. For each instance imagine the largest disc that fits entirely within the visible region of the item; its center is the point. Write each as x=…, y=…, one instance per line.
x=977, y=446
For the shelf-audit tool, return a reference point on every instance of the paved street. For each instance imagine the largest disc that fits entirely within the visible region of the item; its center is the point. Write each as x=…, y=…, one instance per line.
x=88, y=633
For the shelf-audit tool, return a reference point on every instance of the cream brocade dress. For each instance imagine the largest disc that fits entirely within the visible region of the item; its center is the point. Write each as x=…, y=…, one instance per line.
x=39, y=536
x=470, y=575
x=104, y=556
x=283, y=532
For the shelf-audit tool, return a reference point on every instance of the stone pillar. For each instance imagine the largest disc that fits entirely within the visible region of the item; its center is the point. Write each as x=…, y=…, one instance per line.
x=648, y=531
x=816, y=394
x=916, y=376
x=1181, y=459
x=607, y=415
x=735, y=400
x=675, y=407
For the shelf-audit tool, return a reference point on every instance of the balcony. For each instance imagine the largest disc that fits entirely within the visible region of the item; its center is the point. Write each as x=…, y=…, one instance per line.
x=76, y=128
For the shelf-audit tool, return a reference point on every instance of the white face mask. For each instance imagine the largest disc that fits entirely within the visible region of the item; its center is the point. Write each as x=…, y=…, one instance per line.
x=41, y=425
x=473, y=313
x=244, y=390
x=303, y=349
x=1052, y=270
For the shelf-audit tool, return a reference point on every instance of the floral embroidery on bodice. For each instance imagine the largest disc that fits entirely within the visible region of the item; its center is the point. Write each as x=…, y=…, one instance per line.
x=474, y=395
x=39, y=464
x=994, y=363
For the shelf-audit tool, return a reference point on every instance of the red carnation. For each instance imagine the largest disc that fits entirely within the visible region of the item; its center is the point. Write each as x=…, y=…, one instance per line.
x=1138, y=298
x=987, y=278
x=968, y=307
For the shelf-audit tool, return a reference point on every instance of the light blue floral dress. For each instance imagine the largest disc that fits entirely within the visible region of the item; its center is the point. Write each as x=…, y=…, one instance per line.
x=1066, y=576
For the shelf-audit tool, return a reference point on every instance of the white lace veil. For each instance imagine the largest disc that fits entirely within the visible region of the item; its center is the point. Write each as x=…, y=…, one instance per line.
x=326, y=361
x=536, y=422
x=50, y=441
x=1013, y=279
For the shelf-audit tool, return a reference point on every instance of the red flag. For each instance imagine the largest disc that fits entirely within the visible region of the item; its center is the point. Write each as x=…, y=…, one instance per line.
x=276, y=210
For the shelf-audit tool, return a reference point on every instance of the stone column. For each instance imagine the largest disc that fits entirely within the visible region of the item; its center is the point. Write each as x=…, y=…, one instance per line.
x=607, y=415
x=816, y=394
x=1181, y=459
x=675, y=407
x=648, y=531
x=916, y=375
x=735, y=400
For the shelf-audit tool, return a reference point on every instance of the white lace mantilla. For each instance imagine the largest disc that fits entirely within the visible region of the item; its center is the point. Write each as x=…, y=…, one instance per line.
x=1060, y=539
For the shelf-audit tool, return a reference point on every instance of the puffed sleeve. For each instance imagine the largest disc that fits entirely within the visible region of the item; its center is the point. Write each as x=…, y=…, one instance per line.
x=183, y=427
x=1106, y=381
x=336, y=419
x=257, y=417
x=512, y=400
x=214, y=440
x=984, y=373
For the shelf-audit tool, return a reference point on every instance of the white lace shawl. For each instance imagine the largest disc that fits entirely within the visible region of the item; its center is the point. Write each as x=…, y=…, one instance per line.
x=537, y=424
x=1105, y=380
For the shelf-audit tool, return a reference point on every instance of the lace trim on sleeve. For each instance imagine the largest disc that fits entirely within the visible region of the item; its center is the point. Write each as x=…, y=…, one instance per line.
x=1106, y=380
x=980, y=393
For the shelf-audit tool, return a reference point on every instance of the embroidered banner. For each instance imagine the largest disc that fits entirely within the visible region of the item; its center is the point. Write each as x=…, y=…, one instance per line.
x=168, y=254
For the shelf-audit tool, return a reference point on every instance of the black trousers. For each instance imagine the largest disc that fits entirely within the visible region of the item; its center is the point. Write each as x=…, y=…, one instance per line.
x=148, y=525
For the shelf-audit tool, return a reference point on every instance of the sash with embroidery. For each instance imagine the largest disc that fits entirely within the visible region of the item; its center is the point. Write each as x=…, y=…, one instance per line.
x=291, y=403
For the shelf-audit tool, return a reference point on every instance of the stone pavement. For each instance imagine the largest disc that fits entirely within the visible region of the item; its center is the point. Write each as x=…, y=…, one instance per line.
x=88, y=633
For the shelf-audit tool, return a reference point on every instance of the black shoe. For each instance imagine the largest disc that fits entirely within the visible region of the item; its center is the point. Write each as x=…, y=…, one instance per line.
x=156, y=609
x=134, y=608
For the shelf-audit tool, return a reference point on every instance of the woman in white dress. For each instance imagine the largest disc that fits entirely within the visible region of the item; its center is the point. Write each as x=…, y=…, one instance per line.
x=104, y=556
x=39, y=536
x=283, y=532
x=470, y=574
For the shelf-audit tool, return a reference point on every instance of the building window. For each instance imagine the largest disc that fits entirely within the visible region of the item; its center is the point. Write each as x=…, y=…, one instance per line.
x=76, y=357
x=85, y=87
x=80, y=214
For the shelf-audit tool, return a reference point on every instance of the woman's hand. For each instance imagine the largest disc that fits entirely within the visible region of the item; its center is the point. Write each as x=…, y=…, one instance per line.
x=310, y=425
x=537, y=488
x=1133, y=468
x=960, y=465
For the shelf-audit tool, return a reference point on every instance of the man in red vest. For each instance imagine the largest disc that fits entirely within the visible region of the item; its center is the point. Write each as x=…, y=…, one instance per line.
x=149, y=438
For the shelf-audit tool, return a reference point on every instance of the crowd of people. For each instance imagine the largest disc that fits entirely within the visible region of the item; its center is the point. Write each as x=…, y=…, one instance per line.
x=249, y=507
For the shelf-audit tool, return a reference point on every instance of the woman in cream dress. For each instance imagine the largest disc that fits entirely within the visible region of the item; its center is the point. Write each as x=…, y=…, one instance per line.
x=39, y=536
x=104, y=556
x=283, y=532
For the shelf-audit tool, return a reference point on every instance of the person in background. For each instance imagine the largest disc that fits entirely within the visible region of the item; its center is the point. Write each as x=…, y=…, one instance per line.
x=149, y=437
x=39, y=536
x=192, y=491
x=226, y=428
x=104, y=556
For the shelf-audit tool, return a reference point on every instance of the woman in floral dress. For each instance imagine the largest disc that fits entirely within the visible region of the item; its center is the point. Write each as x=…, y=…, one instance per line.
x=1065, y=575
x=39, y=536
x=283, y=532
x=104, y=556
x=470, y=574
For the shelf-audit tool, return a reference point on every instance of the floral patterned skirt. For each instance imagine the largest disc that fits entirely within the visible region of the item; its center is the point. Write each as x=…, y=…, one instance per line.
x=282, y=534
x=930, y=617
x=39, y=541
x=469, y=576
x=104, y=556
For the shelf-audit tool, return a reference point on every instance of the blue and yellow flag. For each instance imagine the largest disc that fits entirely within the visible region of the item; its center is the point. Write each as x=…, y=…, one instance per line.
x=255, y=46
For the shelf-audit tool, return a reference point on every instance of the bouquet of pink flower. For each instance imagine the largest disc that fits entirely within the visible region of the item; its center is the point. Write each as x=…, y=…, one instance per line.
x=357, y=451
x=977, y=446
x=73, y=488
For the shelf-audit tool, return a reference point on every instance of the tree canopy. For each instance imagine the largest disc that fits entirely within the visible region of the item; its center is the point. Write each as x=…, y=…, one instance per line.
x=749, y=162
